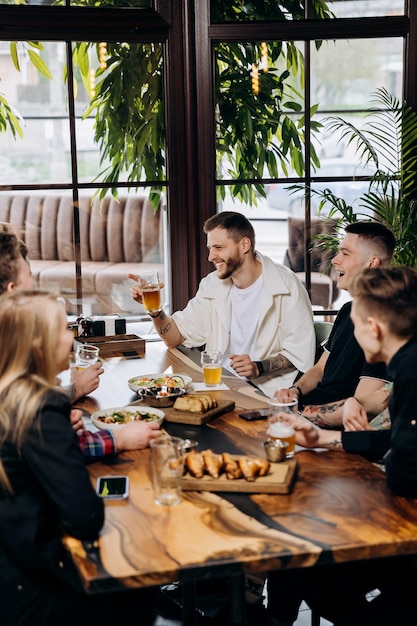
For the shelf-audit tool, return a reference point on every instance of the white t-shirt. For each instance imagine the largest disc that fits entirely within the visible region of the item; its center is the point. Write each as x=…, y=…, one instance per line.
x=245, y=318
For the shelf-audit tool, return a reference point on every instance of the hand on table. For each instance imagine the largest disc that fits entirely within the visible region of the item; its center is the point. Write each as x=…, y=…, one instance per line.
x=243, y=365
x=136, y=435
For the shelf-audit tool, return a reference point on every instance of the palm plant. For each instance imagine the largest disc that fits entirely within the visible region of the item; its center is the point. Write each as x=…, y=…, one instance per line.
x=389, y=143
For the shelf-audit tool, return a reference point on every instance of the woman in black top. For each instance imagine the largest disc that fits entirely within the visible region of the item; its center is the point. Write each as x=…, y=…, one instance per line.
x=45, y=489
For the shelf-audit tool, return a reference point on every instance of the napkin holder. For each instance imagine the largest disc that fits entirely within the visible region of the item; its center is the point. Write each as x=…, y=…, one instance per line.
x=127, y=346
x=108, y=325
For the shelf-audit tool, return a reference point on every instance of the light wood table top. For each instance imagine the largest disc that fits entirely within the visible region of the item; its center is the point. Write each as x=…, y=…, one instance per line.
x=340, y=508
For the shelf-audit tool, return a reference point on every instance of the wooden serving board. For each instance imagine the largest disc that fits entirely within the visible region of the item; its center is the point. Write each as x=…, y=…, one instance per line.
x=279, y=480
x=185, y=417
x=116, y=345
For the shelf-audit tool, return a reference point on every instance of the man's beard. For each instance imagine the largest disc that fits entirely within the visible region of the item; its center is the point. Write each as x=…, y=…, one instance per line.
x=231, y=265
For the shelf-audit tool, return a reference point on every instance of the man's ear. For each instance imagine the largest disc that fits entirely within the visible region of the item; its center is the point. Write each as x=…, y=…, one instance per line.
x=375, y=326
x=375, y=261
x=246, y=244
x=11, y=286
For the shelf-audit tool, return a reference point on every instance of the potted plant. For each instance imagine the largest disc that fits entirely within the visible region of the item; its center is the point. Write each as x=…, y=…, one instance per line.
x=388, y=142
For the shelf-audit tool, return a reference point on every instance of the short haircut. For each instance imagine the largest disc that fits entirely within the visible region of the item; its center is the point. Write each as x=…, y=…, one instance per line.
x=235, y=224
x=10, y=254
x=381, y=237
x=390, y=294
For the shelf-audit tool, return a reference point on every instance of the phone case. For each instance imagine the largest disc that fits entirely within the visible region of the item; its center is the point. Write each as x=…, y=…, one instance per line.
x=254, y=415
x=113, y=487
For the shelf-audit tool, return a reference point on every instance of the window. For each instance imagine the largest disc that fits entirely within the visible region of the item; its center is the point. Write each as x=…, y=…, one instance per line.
x=368, y=44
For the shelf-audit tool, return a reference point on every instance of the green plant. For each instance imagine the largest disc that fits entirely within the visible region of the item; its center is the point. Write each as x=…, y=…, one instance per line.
x=9, y=117
x=259, y=119
x=388, y=142
x=255, y=133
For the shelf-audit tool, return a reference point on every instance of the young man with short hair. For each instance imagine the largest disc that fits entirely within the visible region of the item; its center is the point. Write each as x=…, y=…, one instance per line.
x=384, y=314
x=342, y=372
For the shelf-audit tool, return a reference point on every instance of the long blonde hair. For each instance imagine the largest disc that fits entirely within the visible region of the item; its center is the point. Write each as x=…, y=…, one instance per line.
x=29, y=330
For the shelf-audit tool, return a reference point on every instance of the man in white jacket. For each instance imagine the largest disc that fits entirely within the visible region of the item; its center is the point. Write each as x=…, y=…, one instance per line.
x=256, y=312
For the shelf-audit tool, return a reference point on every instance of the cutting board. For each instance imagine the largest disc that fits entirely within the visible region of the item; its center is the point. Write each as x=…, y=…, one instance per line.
x=279, y=480
x=185, y=417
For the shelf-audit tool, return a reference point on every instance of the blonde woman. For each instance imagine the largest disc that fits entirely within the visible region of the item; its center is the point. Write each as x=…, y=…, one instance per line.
x=45, y=489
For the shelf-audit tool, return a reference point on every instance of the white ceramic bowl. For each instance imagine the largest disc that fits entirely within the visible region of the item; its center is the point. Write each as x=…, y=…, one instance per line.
x=138, y=383
x=135, y=413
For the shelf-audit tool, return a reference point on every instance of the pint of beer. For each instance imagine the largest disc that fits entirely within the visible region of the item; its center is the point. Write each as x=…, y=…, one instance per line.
x=151, y=291
x=277, y=428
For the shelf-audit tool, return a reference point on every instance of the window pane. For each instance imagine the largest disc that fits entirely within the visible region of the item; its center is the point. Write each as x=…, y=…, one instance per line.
x=117, y=237
x=367, y=8
x=264, y=10
x=141, y=4
x=123, y=141
x=344, y=74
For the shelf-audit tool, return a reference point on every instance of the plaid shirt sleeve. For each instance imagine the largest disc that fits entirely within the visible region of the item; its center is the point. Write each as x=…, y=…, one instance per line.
x=98, y=444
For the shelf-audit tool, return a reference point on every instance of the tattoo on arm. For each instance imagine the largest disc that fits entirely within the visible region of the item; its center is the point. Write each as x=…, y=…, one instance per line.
x=336, y=443
x=166, y=329
x=280, y=363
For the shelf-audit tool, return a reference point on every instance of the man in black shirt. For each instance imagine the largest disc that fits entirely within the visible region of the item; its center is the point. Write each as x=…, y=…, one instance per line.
x=341, y=371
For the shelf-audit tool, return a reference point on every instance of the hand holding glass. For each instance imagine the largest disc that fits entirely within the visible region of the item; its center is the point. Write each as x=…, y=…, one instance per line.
x=277, y=428
x=211, y=362
x=151, y=291
x=86, y=355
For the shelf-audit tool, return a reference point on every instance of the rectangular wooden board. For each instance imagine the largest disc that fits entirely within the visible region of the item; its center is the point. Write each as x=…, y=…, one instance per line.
x=279, y=480
x=116, y=345
x=185, y=417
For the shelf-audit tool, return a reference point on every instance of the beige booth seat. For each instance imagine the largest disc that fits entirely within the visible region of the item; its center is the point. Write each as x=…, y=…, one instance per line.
x=117, y=238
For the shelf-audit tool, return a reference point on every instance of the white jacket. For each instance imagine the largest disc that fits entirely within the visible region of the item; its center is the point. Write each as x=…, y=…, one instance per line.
x=285, y=325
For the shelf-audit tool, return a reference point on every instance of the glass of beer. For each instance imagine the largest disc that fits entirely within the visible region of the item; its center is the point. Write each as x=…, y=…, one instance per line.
x=86, y=355
x=151, y=291
x=211, y=362
x=279, y=429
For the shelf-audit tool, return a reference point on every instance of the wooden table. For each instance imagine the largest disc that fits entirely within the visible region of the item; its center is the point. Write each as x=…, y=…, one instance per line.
x=340, y=508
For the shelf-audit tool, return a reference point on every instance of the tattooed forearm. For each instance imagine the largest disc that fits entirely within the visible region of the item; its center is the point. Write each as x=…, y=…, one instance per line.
x=336, y=443
x=165, y=329
x=280, y=363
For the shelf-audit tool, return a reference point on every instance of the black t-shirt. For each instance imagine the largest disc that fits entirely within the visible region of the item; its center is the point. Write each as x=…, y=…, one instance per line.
x=345, y=364
x=401, y=461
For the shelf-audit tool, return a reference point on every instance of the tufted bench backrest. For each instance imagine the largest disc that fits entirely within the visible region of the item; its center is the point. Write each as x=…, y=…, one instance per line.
x=118, y=231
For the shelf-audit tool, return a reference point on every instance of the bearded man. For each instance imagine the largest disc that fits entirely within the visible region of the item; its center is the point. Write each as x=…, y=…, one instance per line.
x=255, y=311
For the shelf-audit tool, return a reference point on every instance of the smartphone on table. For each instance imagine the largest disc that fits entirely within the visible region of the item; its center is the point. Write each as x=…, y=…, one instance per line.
x=113, y=487
x=253, y=415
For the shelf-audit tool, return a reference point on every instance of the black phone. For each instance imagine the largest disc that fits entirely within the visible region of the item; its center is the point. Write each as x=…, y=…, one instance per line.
x=254, y=414
x=113, y=487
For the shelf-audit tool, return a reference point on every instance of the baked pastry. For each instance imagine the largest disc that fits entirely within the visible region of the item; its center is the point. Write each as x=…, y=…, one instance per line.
x=195, y=403
x=231, y=466
x=213, y=463
x=208, y=462
x=194, y=463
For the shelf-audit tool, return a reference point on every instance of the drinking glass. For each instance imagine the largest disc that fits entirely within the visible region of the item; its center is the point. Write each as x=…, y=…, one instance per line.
x=167, y=466
x=86, y=355
x=278, y=429
x=151, y=291
x=211, y=362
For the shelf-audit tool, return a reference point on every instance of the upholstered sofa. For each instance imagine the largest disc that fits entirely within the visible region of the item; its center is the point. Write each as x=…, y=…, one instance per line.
x=116, y=238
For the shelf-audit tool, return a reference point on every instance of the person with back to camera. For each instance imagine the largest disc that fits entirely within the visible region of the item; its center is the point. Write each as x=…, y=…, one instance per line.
x=15, y=274
x=341, y=372
x=384, y=314
x=45, y=488
x=256, y=312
